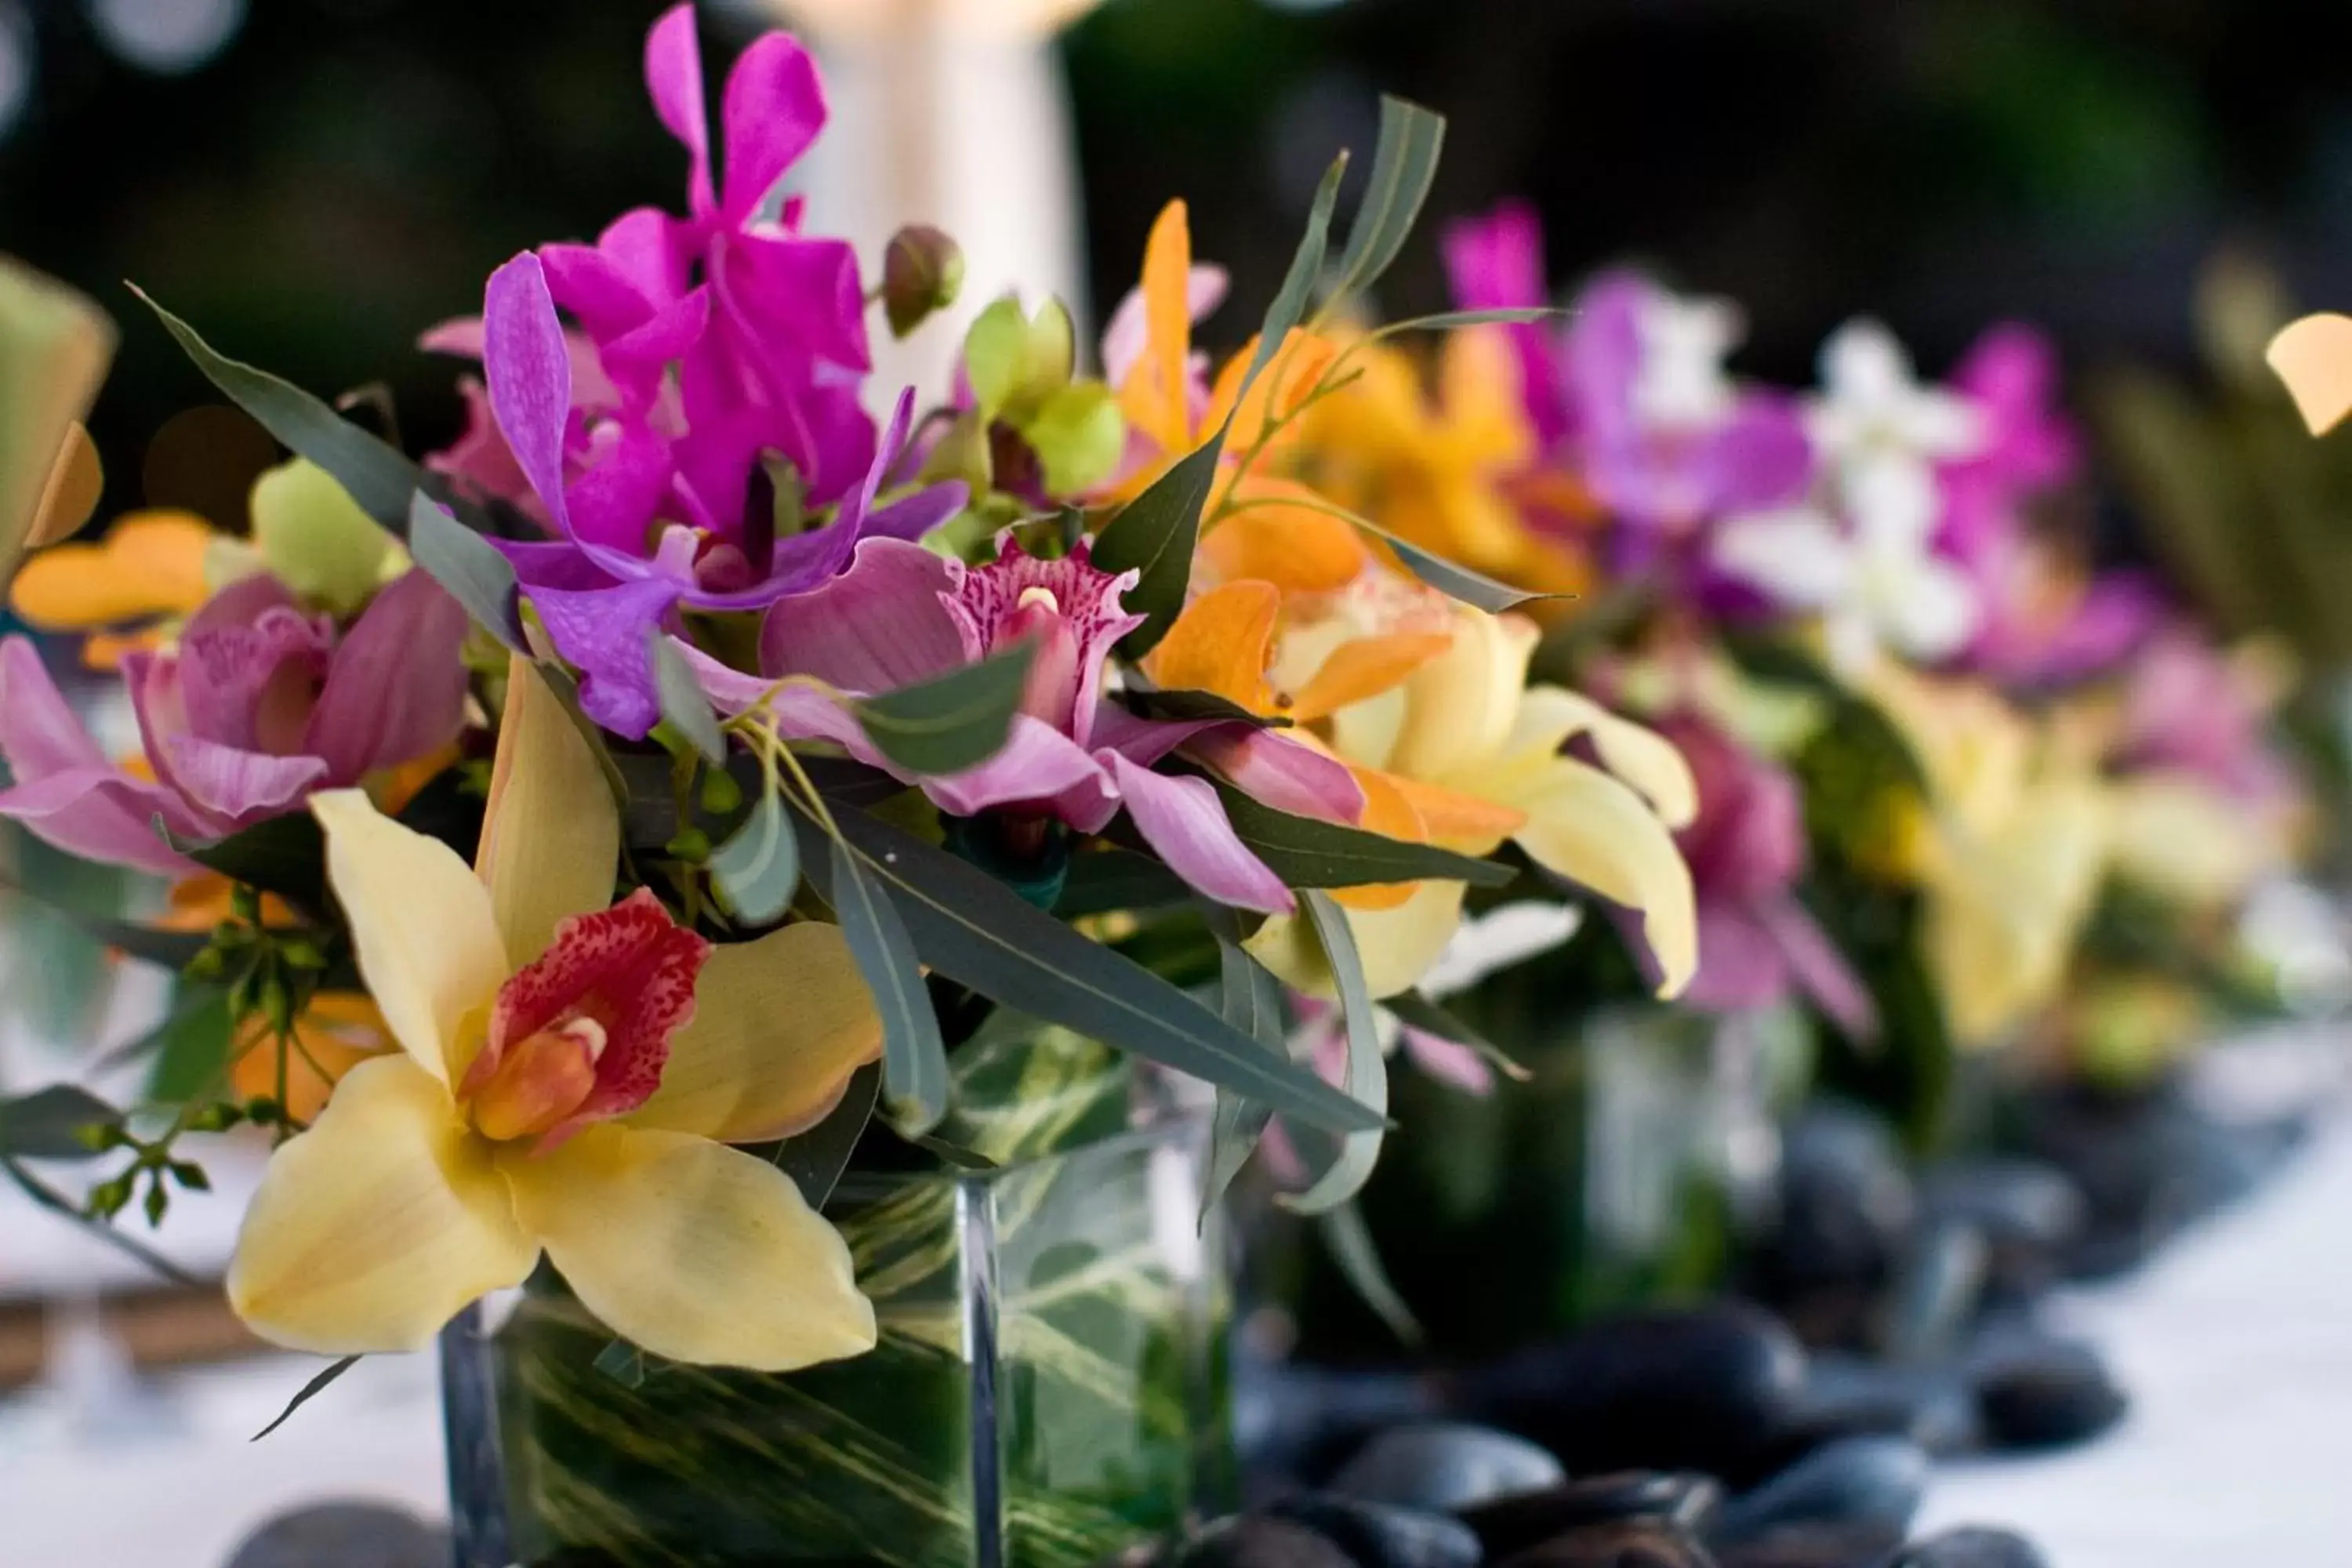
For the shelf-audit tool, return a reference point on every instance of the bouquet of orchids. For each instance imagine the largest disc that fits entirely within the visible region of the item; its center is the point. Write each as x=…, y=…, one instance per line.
x=1934, y=747
x=554, y=817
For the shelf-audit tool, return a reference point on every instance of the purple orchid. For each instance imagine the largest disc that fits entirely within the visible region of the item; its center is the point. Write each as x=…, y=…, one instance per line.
x=1758, y=944
x=638, y=536
x=261, y=704
x=902, y=614
x=766, y=325
x=1496, y=263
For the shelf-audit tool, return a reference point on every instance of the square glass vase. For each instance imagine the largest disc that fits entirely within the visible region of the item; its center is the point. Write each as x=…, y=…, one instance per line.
x=1049, y=1386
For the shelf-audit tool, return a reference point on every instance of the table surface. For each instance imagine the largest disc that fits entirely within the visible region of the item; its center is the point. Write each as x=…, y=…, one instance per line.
x=2236, y=1345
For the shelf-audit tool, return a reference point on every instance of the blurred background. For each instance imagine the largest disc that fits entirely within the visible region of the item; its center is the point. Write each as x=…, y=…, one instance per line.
x=314, y=183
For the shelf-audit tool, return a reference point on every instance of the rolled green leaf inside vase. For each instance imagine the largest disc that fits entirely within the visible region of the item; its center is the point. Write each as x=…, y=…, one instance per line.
x=1048, y=1386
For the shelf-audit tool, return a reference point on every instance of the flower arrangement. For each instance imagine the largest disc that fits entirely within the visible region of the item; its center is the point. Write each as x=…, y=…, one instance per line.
x=669, y=797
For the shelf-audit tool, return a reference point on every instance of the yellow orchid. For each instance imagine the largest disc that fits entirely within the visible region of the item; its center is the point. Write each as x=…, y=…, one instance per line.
x=570, y=1076
x=1434, y=465
x=1429, y=701
x=2010, y=847
x=55, y=346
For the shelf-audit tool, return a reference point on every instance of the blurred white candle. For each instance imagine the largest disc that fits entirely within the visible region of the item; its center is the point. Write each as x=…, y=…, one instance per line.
x=950, y=112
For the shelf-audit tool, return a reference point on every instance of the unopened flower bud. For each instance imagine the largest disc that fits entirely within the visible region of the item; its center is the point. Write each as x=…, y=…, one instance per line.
x=922, y=272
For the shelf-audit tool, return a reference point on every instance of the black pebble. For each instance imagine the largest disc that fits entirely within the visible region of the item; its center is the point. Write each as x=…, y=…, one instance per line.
x=2046, y=1395
x=1617, y=1544
x=346, y=1535
x=1378, y=1535
x=1854, y=1480
x=1702, y=1390
x=1446, y=1466
x=1974, y=1546
x=1254, y=1541
x=1512, y=1524
x=1818, y=1546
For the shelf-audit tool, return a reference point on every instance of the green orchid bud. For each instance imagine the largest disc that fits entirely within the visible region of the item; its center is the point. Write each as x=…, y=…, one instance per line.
x=315, y=539
x=923, y=273
x=962, y=453
x=1015, y=362
x=1079, y=435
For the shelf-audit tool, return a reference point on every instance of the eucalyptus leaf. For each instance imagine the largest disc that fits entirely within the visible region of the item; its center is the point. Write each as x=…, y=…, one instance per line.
x=1154, y=536
x=1306, y=270
x=1452, y=320
x=468, y=566
x=49, y=1123
x=914, y=1057
x=983, y=936
x=757, y=868
x=1404, y=164
x=1101, y=881
x=815, y=1159
x=1180, y=705
x=1418, y=1012
x=282, y=855
x=376, y=476
x=683, y=703
x=954, y=1155
x=1454, y=581
x=1367, y=1080
x=1250, y=999
x=952, y=721
x=1349, y=1242
x=1307, y=852
x=309, y=1391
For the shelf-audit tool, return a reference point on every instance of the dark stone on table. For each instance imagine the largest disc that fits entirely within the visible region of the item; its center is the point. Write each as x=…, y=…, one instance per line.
x=1852, y=1395
x=2045, y=1393
x=1303, y=1419
x=2031, y=1214
x=1512, y=1524
x=1937, y=1293
x=1617, y=1544
x=1445, y=1465
x=1974, y=1546
x=1701, y=1390
x=1254, y=1541
x=345, y=1536
x=1381, y=1535
x=1850, y=1545
x=1845, y=1205
x=1853, y=1481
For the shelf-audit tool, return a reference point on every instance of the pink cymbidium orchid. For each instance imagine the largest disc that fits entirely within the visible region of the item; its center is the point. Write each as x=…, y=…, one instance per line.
x=638, y=537
x=258, y=705
x=1758, y=945
x=902, y=614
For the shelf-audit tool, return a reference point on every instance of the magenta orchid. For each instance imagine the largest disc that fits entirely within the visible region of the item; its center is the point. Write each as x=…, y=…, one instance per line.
x=903, y=615
x=260, y=705
x=638, y=535
x=1758, y=944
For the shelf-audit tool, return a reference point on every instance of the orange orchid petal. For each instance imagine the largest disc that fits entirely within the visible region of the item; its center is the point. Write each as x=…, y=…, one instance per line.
x=1390, y=812
x=1478, y=387
x=149, y=563
x=1288, y=381
x=75, y=484
x=1364, y=668
x=1467, y=823
x=106, y=651
x=1299, y=549
x=1222, y=643
x=1155, y=394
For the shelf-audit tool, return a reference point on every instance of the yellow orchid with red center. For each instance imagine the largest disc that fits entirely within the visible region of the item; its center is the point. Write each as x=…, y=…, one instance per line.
x=569, y=1079
x=1428, y=700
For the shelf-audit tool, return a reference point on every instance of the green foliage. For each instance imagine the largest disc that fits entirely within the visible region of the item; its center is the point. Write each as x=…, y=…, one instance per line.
x=914, y=1057
x=952, y=721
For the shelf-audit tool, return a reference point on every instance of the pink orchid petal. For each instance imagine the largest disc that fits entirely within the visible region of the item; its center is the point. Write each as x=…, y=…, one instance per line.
x=66, y=791
x=607, y=633
x=1185, y=824
x=1287, y=774
x=1740, y=964
x=771, y=111
x=673, y=81
x=1819, y=969
x=1038, y=766
x=1448, y=1061
x=878, y=626
x=395, y=691
x=529, y=369
x=802, y=298
x=1124, y=340
x=241, y=787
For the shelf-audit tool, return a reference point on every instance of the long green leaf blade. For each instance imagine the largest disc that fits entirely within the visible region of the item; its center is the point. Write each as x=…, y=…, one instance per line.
x=816, y=1158
x=758, y=868
x=914, y=1057
x=953, y=722
x=466, y=565
x=50, y=1124
x=1368, y=1066
x=378, y=477
x=1250, y=999
x=976, y=931
x=683, y=703
x=1349, y=1241
x=1154, y=535
x=1306, y=269
x=1307, y=852
x=1404, y=164
x=307, y=1393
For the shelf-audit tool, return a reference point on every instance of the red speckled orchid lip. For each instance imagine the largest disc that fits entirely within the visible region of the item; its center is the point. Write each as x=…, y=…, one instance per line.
x=629, y=971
